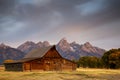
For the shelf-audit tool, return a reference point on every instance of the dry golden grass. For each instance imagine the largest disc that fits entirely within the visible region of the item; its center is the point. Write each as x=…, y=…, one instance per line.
x=79, y=74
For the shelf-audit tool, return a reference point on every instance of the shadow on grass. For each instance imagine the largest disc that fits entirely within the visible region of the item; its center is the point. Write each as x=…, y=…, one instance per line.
x=36, y=74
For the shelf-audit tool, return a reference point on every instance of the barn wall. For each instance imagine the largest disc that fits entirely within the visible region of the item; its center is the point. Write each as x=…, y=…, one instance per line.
x=51, y=61
x=53, y=64
x=13, y=67
x=37, y=64
x=27, y=66
x=49, y=64
x=68, y=65
x=46, y=64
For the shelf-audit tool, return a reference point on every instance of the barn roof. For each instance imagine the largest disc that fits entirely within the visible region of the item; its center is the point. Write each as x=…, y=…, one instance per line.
x=38, y=53
x=20, y=61
x=34, y=54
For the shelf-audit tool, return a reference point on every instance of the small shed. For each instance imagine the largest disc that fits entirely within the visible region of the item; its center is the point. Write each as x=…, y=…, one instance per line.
x=44, y=59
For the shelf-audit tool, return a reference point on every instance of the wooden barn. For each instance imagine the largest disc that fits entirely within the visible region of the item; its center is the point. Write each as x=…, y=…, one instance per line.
x=44, y=59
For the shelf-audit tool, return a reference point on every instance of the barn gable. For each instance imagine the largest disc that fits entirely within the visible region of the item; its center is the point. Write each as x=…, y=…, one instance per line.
x=52, y=53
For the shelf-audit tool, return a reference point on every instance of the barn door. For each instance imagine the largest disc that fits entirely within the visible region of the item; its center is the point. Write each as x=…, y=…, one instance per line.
x=27, y=66
x=57, y=67
x=47, y=66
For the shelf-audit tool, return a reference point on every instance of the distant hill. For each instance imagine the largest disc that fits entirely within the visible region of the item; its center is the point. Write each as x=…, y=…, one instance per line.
x=6, y=52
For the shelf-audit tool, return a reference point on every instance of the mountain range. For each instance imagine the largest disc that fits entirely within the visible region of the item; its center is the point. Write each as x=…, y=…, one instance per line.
x=72, y=51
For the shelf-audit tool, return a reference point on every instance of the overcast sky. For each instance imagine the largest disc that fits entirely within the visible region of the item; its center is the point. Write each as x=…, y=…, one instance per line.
x=94, y=21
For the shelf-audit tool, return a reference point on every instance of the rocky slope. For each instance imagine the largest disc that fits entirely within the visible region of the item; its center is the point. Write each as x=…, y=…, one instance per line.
x=7, y=52
x=75, y=51
x=29, y=46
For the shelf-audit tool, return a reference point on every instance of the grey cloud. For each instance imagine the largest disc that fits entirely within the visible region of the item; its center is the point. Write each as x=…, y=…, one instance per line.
x=7, y=7
x=36, y=13
x=109, y=12
x=42, y=16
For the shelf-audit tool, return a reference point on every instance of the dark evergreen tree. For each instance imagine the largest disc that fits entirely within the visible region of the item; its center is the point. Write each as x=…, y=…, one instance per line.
x=111, y=59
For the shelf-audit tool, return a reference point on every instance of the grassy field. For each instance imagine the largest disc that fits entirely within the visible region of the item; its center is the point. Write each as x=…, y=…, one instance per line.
x=79, y=74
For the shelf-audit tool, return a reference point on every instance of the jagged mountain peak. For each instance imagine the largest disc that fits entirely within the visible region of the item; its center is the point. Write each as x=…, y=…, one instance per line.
x=87, y=47
x=75, y=45
x=73, y=42
x=28, y=42
x=40, y=44
x=63, y=40
x=87, y=44
x=46, y=43
x=43, y=44
x=2, y=45
x=64, y=45
x=29, y=46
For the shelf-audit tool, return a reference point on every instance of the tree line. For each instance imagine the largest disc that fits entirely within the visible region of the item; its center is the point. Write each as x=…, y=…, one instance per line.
x=110, y=59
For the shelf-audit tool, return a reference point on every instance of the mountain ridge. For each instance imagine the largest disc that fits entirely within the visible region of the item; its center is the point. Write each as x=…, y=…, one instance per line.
x=28, y=46
x=75, y=51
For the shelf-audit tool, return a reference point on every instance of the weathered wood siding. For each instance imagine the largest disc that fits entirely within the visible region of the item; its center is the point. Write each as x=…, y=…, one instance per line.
x=51, y=61
x=68, y=65
x=13, y=66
